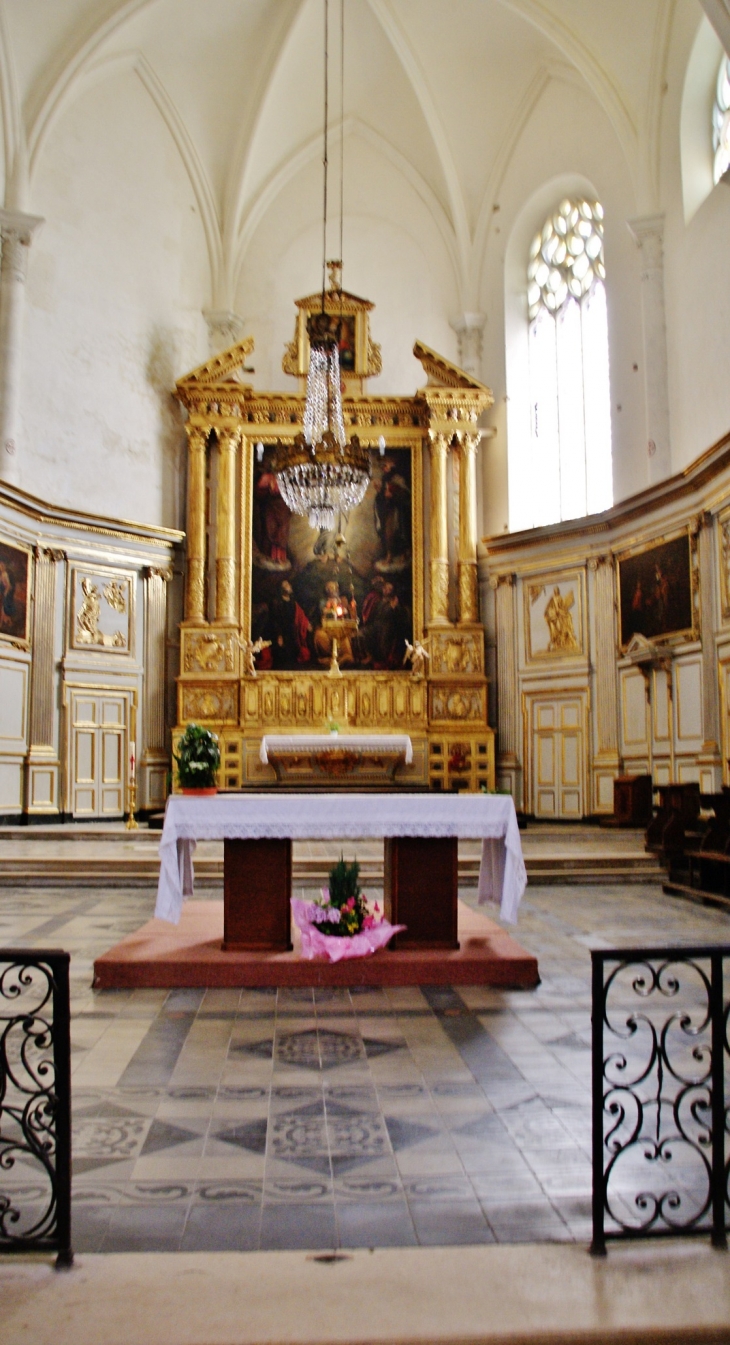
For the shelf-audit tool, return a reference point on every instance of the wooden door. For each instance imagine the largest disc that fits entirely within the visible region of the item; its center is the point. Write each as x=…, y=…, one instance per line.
x=558, y=765
x=98, y=752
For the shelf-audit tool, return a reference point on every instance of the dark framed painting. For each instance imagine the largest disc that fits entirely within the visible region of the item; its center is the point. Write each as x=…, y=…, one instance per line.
x=357, y=578
x=655, y=591
x=14, y=587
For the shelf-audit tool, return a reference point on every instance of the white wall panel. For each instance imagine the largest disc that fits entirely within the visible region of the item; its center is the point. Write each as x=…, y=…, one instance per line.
x=688, y=681
x=13, y=706
x=633, y=710
x=11, y=786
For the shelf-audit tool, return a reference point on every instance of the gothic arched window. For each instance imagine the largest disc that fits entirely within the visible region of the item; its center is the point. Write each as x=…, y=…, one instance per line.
x=721, y=121
x=570, y=411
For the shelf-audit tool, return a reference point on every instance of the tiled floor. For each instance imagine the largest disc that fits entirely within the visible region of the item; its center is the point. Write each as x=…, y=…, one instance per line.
x=257, y=1119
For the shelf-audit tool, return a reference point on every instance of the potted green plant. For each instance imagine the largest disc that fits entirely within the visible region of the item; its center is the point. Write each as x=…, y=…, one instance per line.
x=198, y=758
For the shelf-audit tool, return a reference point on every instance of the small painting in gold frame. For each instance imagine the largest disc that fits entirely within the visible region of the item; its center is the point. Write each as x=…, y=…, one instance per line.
x=14, y=590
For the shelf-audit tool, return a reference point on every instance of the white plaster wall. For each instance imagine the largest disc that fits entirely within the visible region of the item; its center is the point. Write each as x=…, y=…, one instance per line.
x=117, y=280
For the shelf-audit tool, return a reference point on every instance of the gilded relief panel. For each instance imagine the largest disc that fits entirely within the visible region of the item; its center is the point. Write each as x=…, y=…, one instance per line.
x=454, y=651
x=102, y=610
x=462, y=703
x=554, y=606
x=208, y=651
x=209, y=703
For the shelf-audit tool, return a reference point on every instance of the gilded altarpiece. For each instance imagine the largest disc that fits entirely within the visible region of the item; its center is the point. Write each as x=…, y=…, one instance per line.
x=256, y=656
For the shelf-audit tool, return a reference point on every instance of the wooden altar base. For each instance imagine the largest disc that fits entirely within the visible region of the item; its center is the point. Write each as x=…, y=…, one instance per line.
x=189, y=955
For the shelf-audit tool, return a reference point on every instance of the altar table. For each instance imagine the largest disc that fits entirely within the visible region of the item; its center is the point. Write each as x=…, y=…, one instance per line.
x=315, y=759
x=421, y=833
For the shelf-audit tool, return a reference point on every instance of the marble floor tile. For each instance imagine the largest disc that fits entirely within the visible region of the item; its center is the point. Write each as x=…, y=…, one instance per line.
x=239, y=1119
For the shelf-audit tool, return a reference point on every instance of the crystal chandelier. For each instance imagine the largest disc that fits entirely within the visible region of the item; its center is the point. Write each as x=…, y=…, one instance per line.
x=321, y=474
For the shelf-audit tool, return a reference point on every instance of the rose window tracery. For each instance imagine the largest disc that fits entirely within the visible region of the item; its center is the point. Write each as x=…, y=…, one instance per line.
x=566, y=256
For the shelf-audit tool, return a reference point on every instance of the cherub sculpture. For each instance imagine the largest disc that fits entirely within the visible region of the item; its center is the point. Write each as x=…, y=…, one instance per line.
x=416, y=654
x=250, y=648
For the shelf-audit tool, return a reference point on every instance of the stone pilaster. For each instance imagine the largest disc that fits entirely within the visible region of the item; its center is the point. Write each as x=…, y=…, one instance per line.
x=468, y=586
x=469, y=328
x=606, y=761
x=16, y=235
x=605, y=668
x=648, y=232
x=154, y=757
x=42, y=763
x=439, y=567
x=509, y=765
x=225, y=563
x=195, y=583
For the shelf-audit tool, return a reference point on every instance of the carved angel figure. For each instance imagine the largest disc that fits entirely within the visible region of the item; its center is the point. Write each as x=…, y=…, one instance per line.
x=416, y=654
x=560, y=622
x=87, y=618
x=250, y=649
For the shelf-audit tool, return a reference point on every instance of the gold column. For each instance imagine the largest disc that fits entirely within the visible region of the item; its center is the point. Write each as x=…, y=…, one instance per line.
x=195, y=588
x=225, y=564
x=468, y=588
x=439, y=614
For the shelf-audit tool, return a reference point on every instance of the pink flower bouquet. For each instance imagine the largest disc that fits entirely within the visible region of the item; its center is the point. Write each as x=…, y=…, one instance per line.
x=338, y=924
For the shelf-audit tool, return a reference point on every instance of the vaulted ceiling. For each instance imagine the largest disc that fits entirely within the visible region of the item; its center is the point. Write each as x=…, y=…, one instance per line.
x=443, y=88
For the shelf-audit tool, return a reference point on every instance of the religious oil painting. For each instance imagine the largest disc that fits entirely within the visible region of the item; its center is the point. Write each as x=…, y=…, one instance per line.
x=353, y=583
x=14, y=584
x=554, y=616
x=655, y=590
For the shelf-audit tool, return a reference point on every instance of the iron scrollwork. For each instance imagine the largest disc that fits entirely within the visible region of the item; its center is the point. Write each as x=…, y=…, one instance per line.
x=35, y=1103
x=657, y=1078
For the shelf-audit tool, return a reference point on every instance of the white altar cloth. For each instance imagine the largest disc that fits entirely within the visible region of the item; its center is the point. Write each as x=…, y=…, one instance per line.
x=291, y=743
x=343, y=817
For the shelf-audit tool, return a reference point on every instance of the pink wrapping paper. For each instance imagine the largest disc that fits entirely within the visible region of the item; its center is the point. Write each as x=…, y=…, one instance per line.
x=316, y=944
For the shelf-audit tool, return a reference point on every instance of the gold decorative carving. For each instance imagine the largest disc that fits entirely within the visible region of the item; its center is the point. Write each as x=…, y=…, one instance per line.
x=209, y=652
x=468, y=592
x=456, y=703
x=553, y=607
x=211, y=703
x=88, y=629
x=725, y=566
x=116, y=596
x=559, y=621
x=457, y=652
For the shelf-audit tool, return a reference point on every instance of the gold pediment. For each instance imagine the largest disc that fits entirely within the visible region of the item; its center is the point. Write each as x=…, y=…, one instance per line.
x=225, y=368
x=442, y=373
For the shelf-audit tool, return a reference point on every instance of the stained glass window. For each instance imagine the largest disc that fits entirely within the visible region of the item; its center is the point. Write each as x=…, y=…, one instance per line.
x=721, y=120
x=571, y=473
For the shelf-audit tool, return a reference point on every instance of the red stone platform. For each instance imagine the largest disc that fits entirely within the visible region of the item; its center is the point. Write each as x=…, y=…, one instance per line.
x=160, y=956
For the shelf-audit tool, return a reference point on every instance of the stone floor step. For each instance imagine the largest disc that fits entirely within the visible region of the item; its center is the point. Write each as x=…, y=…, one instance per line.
x=137, y=870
